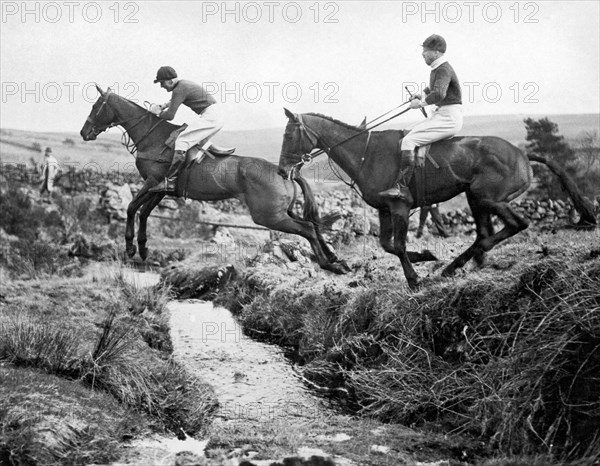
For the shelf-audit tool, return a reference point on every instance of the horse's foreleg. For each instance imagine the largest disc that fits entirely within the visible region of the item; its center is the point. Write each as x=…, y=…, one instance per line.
x=140, y=198
x=386, y=233
x=147, y=208
x=400, y=213
x=513, y=222
x=483, y=227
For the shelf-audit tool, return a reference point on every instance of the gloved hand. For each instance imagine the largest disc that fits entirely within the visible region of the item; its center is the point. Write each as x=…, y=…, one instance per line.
x=155, y=108
x=415, y=96
x=415, y=103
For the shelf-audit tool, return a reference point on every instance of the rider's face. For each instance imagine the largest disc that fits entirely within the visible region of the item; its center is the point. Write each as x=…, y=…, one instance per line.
x=167, y=85
x=430, y=55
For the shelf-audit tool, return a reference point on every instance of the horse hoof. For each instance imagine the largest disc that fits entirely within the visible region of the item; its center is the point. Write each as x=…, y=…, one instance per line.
x=130, y=250
x=428, y=255
x=344, y=267
x=143, y=252
x=414, y=285
x=448, y=272
x=479, y=261
x=341, y=268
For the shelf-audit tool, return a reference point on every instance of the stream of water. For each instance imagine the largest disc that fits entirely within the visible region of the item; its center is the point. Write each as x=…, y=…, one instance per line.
x=252, y=380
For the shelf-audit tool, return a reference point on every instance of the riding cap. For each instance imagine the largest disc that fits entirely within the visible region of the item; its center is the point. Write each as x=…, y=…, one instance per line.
x=435, y=42
x=48, y=150
x=165, y=73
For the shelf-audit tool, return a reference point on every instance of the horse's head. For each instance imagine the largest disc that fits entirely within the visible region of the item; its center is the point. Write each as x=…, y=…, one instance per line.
x=298, y=142
x=100, y=118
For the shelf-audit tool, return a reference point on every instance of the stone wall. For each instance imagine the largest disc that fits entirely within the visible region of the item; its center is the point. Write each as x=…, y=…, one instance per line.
x=116, y=190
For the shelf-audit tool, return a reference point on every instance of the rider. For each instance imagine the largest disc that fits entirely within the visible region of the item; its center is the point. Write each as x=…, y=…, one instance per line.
x=445, y=121
x=209, y=122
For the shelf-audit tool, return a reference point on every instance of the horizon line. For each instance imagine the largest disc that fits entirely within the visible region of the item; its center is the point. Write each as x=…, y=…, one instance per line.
x=277, y=127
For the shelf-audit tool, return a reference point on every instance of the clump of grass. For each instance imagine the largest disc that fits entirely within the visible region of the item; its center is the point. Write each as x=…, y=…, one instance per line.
x=163, y=389
x=48, y=420
x=30, y=343
x=31, y=259
x=148, y=305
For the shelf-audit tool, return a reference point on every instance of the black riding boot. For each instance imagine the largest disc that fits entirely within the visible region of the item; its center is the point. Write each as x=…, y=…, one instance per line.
x=400, y=190
x=169, y=183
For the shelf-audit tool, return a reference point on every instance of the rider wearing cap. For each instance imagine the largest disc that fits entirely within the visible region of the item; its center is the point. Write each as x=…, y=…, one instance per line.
x=445, y=121
x=194, y=96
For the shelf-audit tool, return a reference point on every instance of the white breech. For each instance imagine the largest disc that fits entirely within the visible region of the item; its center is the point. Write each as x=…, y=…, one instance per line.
x=443, y=123
x=205, y=126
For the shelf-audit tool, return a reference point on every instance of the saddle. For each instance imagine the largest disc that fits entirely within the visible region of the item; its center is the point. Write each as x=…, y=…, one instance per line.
x=205, y=145
x=419, y=173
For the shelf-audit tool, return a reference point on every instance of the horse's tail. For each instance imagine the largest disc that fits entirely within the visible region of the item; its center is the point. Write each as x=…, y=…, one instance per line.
x=311, y=211
x=582, y=205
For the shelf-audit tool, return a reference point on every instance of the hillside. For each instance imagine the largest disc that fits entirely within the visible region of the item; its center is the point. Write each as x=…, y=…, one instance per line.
x=108, y=153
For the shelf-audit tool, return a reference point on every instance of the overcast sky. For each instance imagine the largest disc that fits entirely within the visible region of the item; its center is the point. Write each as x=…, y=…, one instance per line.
x=346, y=59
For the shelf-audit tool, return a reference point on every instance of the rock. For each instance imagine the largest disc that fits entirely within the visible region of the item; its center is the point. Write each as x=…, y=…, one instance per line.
x=6, y=238
x=222, y=237
x=115, y=199
x=170, y=204
x=189, y=281
x=381, y=449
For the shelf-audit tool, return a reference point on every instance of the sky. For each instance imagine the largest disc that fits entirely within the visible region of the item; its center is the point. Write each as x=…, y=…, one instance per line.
x=347, y=59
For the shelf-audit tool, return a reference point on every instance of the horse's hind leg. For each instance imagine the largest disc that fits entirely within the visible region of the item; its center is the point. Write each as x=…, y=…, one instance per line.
x=513, y=223
x=147, y=208
x=331, y=257
x=306, y=229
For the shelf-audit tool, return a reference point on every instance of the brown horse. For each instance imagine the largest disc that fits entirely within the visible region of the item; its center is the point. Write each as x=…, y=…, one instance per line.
x=490, y=170
x=253, y=180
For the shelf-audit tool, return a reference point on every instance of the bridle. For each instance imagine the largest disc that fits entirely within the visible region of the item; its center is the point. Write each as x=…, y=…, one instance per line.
x=314, y=140
x=125, y=138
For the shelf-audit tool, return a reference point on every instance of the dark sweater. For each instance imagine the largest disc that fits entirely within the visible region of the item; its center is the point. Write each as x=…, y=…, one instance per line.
x=444, y=88
x=188, y=93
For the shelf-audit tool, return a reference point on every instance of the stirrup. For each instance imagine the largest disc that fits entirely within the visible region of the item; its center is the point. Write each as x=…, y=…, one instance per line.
x=164, y=186
x=396, y=192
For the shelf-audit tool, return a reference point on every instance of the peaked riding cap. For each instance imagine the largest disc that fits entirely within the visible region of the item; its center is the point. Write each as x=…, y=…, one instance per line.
x=435, y=42
x=165, y=73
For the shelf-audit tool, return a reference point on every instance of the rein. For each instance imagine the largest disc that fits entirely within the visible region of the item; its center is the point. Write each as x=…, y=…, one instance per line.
x=307, y=158
x=126, y=140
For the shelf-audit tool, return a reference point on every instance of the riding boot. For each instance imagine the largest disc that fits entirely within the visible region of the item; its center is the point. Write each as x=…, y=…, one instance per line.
x=169, y=184
x=400, y=189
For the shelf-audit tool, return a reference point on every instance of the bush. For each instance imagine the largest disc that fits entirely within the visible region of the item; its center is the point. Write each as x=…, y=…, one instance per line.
x=32, y=259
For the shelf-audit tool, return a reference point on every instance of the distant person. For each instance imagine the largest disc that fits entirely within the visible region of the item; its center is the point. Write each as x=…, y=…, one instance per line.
x=49, y=173
x=445, y=121
x=438, y=224
x=208, y=123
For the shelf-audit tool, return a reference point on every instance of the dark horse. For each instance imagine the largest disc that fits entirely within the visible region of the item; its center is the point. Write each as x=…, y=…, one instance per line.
x=253, y=180
x=490, y=170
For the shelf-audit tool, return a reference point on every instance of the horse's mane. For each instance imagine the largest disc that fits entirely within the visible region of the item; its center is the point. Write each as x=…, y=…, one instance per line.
x=127, y=100
x=349, y=126
x=345, y=125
